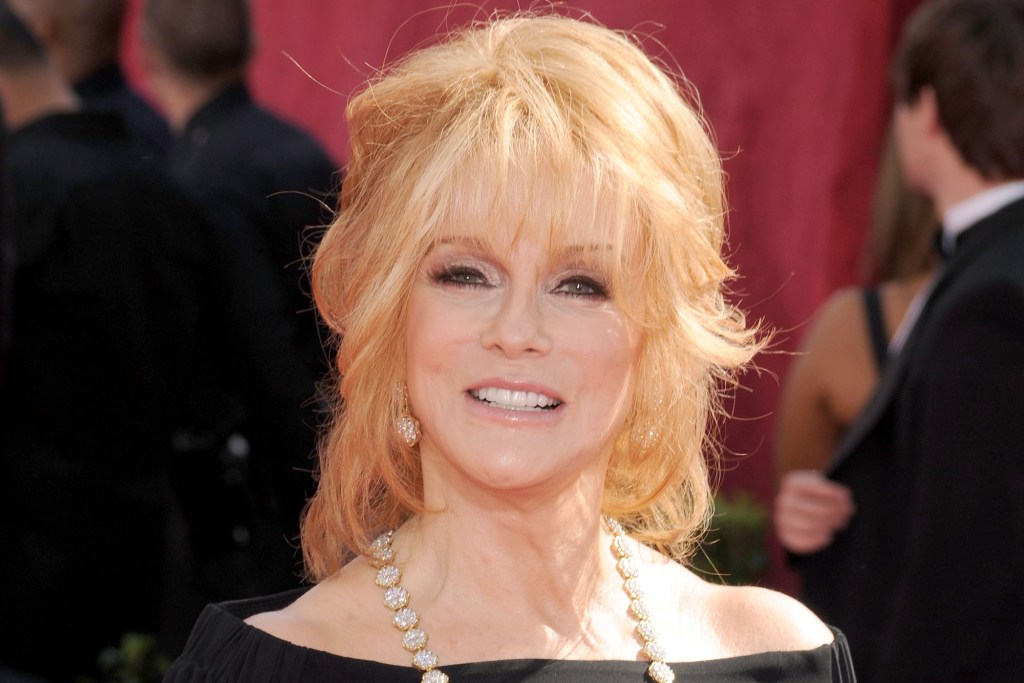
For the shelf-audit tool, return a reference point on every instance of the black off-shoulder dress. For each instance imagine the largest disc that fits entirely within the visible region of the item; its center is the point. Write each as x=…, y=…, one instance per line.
x=224, y=649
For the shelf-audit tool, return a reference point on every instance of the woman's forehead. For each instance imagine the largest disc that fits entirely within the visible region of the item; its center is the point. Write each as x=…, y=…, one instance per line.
x=583, y=240
x=563, y=214
x=528, y=242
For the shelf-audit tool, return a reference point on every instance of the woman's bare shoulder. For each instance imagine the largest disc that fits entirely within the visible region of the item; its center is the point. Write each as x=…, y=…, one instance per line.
x=841, y=315
x=327, y=617
x=752, y=620
x=835, y=349
x=302, y=622
x=718, y=621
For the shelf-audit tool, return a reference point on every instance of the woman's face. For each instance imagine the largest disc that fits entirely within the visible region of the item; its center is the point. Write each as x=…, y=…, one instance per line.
x=520, y=364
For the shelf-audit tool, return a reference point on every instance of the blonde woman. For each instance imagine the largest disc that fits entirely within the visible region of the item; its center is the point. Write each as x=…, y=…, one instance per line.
x=526, y=280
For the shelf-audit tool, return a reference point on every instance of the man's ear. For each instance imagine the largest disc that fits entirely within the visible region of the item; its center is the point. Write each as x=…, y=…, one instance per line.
x=928, y=109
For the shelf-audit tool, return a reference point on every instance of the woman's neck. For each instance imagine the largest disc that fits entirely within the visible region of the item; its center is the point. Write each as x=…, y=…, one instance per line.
x=540, y=576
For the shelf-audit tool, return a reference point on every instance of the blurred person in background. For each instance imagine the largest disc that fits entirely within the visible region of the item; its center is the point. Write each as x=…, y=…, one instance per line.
x=844, y=353
x=83, y=39
x=926, y=577
x=267, y=188
x=108, y=288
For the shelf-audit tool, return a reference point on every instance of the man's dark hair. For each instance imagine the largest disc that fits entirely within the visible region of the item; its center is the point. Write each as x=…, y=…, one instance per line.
x=89, y=27
x=204, y=38
x=971, y=53
x=19, y=47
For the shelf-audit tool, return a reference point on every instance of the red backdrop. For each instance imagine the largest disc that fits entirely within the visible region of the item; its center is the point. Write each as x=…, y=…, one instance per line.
x=794, y=89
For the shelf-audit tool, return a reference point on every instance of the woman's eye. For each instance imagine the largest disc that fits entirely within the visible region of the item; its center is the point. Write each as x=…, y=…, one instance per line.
x=582, y=286
x=463, y=276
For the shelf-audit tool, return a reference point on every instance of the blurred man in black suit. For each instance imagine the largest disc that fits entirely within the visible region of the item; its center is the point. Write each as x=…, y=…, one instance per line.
x=268, y=187
x=926, y=580
x=108, y=362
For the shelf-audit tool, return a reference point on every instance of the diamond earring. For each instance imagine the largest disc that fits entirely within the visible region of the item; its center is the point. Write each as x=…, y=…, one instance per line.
x=408, y=426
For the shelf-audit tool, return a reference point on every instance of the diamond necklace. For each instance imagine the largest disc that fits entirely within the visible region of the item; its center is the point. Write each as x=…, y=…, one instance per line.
x=414, y=639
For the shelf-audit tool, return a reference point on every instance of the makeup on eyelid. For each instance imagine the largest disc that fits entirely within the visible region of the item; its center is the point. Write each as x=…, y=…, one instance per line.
x=574, y=279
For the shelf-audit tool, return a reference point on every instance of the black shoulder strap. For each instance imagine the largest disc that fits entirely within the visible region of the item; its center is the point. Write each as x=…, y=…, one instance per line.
x=876, y=326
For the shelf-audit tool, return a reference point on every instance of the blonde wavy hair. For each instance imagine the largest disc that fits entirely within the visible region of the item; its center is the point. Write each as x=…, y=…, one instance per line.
x=447, y=136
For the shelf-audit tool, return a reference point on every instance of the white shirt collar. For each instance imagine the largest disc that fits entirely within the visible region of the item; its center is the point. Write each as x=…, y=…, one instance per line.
x=965, y=213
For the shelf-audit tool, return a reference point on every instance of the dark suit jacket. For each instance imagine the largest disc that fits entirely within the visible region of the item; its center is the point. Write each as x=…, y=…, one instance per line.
x=266, y=187
x=109, y=289
x=272, y=188
x=107, y=89
x=928, y=579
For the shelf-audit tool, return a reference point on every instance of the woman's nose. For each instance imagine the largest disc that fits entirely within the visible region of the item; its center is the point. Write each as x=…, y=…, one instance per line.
x=517, y=326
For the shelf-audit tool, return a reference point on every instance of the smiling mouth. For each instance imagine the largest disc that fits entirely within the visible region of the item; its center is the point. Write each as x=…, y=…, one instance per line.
x=514, y=400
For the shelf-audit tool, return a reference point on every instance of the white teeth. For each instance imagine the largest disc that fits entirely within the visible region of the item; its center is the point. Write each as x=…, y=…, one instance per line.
x=513, y=400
